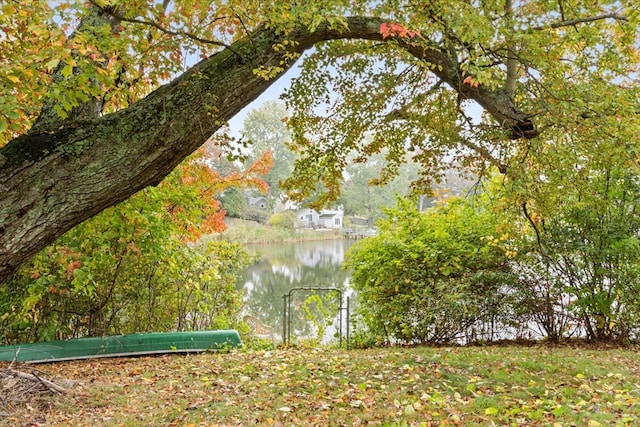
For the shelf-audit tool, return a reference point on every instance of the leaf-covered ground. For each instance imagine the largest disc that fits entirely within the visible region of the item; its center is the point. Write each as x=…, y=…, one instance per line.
x=510, y=385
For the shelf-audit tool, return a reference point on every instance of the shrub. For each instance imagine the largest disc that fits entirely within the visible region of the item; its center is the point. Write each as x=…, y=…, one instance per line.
x=431, y=277
x=284, y=219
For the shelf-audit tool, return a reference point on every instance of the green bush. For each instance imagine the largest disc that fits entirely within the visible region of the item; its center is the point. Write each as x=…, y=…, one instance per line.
x=234, y=203
x=431, y=277
x=123, y=271
x=284, y=219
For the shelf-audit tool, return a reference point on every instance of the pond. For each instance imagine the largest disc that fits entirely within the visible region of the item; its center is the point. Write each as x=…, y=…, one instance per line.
x=284, y=266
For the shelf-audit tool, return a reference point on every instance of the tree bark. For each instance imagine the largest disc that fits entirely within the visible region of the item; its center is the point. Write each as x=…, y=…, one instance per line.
x=53, y=179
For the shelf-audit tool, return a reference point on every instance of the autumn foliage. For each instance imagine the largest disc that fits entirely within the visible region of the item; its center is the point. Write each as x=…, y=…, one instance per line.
x=201, y=212
x=388, y=29
x=137, y=266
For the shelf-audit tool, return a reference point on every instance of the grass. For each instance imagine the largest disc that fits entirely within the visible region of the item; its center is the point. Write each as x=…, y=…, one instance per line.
x=242, y=231
x=467, y=386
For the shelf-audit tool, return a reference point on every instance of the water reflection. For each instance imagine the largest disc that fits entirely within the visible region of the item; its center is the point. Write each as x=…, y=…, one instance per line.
x=283, y=266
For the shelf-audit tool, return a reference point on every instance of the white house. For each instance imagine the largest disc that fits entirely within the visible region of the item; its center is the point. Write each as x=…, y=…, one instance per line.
x=326, y=218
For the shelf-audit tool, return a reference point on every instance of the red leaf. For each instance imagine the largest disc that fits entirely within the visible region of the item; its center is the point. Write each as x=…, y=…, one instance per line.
x=385, y=30
x=388, y=29
x=72, y=267
x=471, y=82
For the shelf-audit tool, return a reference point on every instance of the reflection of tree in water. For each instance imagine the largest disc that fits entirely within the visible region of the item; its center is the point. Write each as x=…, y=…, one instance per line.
x=284, y=266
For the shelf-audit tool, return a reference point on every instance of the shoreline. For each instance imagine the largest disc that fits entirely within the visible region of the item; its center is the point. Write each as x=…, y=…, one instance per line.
x=249, y=232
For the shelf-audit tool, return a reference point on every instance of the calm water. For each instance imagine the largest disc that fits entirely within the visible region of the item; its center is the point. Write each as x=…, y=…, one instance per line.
x=283, y=266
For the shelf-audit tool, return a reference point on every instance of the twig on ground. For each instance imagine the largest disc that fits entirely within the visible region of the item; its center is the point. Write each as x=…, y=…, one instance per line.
x=18, y=388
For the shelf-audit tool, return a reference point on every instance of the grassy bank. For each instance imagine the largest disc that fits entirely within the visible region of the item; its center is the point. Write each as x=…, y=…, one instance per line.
x=242, y=231
x=528, y=386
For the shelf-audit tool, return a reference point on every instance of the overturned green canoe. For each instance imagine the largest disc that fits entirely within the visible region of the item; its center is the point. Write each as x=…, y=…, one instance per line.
x=120, y=345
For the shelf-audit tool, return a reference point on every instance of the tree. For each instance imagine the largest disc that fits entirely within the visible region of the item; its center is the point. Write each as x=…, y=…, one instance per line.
x=266, y=130
x=363, y=194
x=89, y=119
x=285, y=219
x=580, y=249
x=234, y=203
x=131, y=269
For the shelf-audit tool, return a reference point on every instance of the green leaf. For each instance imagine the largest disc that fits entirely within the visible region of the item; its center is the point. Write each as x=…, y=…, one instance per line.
x=60, y=111
x=67, y=70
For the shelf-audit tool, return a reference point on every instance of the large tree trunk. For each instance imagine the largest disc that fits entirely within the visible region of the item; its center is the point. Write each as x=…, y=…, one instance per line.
x=56, y=178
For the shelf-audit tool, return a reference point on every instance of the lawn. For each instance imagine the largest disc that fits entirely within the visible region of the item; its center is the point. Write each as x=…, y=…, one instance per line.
x=466, y=386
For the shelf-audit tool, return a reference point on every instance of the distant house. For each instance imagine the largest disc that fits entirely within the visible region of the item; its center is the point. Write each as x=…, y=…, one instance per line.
x=326, y=218
x=330, y=218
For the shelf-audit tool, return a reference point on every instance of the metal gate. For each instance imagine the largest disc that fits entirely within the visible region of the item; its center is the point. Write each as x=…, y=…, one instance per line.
x=286, y=318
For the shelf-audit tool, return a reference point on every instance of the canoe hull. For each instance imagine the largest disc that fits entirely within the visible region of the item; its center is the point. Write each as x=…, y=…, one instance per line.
x=121, y=345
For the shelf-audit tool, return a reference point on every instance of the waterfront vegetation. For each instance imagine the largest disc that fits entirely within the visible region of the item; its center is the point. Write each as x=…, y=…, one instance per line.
x=244, y=231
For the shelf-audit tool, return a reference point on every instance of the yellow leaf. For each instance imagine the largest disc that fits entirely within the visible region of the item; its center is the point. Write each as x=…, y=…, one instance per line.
x=52, y=64
x=67, y=70
x=585, y=387
x=491, y=411
x=13, y=78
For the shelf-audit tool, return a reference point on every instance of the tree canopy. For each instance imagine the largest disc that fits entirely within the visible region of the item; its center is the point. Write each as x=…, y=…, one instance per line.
x=98, y=99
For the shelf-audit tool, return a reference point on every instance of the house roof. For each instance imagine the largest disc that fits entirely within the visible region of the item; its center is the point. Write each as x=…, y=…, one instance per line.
x=254, y=200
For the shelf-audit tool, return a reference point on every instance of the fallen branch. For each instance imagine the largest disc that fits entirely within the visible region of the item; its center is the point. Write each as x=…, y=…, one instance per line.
x=32, y=377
